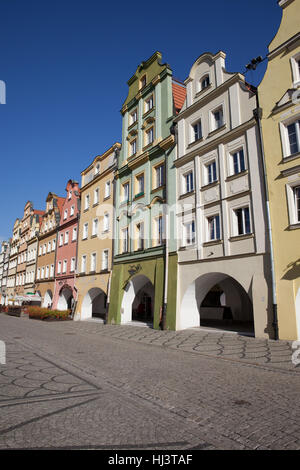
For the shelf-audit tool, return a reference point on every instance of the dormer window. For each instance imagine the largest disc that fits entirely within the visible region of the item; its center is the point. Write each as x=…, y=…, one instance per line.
x=143, y=81
x=205, y=82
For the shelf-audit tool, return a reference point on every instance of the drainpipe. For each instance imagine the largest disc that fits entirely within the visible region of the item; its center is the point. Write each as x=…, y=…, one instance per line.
x=258, y=115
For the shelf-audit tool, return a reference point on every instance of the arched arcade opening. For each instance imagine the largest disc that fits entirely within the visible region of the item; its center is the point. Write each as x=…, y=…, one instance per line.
x=94, y=304
x=138, y=301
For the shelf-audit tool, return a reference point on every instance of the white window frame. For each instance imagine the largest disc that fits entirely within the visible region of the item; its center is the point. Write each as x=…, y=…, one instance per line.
x=65, y=266
x=95, y=227
x=105, y=258
x=107, y=189
x=66, y=237
x=65, y=214
x=85, y=231
x=295, y=64
x=291, y=201
x=213, y=224
x=106, y=222
x=240, y=152
x=210, y=169
x=189, y=235
x=72, y=210
x=86, y=202
x=236, y=221
x=285, y=137
x=149, y=103
x=125, y=240
x=72, y=267
x=74, y=234
x=61, y=239
x=196, y=131
x=83, y=263
x=59, y=264
x=188, y=182
x=96, y=196
x=213, y=121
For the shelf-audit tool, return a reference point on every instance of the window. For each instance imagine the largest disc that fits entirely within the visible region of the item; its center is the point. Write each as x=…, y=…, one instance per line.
x=149, y=136
x=189, y=233
x=86, y=202
x=47, y=271
x=43, y=273
x=44, y=249
x=148, y=104
x=93, y=262
x=197, y=131
x=133, y=147
x=59, y=267
x=140, y=184
x=217, y=119
x=295, y=62
x=242, y=222
x=95, y=227
x=107, y=189
x=104, y=260
x=159, y=230
x=238, y=162
x=124, y=238
x=52, y=270
x=126, y=192
x=205, y=82
x=72, y=268
x=65, y=266
x=38, y=273
x=49, y=247
x=72, y=210
x=159, y=176
x=61, y=239
x=106, y=223
x=74, y=234
x=213, y=228
x=143, y=81
x=96, y=196
x=297, y=203
x=188, y=182
x=70, y=194
x=53, y=244
x=293, y=131
x=65, y=214
x=133, y=117
x=66, y=238
x=97, y=168
x=83, y=263
x=211, y=172
x=140, y=236
x=85, y=231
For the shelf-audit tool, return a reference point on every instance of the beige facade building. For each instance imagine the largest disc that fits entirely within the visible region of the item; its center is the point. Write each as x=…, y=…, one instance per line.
x=279, y=97
x=13, y=261
x=94, y=260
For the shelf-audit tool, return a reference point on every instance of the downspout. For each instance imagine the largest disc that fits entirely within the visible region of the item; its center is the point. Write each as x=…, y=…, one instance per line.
x=258, y=115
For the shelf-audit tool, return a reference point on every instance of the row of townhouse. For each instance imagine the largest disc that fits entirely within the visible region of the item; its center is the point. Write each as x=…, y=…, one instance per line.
x=193, y=219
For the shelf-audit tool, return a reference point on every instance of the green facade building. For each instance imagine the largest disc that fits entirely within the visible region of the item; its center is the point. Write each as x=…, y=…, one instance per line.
x=144, y=276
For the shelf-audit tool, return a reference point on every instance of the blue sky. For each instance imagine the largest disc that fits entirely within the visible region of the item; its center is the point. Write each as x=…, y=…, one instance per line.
x=66, y=65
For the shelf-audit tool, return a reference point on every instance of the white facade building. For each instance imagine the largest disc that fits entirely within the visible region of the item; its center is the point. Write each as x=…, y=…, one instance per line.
x=223, y=260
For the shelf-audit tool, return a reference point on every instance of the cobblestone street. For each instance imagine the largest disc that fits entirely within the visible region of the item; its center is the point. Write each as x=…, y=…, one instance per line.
x=85, y=385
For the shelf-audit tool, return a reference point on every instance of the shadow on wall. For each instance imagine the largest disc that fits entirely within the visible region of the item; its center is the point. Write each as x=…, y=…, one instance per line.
x=293, y=271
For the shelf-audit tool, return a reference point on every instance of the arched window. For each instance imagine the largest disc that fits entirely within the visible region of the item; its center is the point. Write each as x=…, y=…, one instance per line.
x=205, y=82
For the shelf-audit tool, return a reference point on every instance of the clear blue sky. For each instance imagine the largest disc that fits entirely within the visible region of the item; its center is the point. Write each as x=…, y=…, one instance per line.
x=66, y=64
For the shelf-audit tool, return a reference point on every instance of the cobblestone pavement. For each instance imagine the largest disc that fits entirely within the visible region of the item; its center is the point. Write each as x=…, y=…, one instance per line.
x=85, y=385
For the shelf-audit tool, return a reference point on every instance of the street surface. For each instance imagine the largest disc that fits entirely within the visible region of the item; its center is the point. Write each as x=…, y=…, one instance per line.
x=85, y=385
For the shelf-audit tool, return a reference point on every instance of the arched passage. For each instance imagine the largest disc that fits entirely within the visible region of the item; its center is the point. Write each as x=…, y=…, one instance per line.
x=94, y=304
x=138, y=300
x=47, y=298
x=216, y=300
x=65, y=298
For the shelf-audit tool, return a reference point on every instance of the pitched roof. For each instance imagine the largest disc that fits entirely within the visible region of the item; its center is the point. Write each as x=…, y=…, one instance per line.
x=179, y=94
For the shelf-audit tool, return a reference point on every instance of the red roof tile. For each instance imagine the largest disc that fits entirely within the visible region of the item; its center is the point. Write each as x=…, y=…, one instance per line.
x=179, y=94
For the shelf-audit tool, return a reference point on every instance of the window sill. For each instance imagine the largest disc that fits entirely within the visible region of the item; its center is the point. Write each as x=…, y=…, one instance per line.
x=85, y=210
x=96, y=204
x=210, y=185
x=148, y=112
x=241, y=237
x=94, y=236
x=159, y=188
x=203, y=90
x=215, y=131
x=213, y=242
x=147, y=146
x=132, y=125
x=288, y=158
x=195, y=142
x=104, y=271
x=294, y=226
x=106, y=197
x=139, y=195
x=236, y=175
x=190, y=193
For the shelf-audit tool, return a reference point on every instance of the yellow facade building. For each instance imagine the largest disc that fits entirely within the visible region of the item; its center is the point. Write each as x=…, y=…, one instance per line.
x=279, y=99
x=95, y=242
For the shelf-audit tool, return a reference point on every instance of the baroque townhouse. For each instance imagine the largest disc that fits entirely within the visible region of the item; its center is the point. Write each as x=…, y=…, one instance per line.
x=66, y=250
x=47, y=249
x=13, y=261
x=279, y=98
x=96, y=235
x=144, y=266
x=223, y=259
x=31, y=256
x=4, y=262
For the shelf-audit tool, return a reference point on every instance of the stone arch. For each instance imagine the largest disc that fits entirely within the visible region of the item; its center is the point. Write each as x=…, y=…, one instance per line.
x=94, y=304
x=138, y=300
x=228, y=300
x=48, y=298
x=65, y=298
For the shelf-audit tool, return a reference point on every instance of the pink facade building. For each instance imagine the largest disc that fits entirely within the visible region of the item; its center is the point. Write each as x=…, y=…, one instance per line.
x=65, y=295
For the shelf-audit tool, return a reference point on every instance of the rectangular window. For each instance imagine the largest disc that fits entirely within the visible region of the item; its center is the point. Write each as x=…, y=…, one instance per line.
x=96, y=196
x=74, y=234
x=59, y=267
x=53, y=244
x=294, y=137
x=238, y=162
x=93, y=262
x=95, y=227
x=213, y=228
x=65, y=214
x=52, y=270
x=189, y=233
x=107, y=189
x=140, y=236
x=133, y=147
x=49, y=247
x=243, y=225
x=43, y=273
x=159, y=176
x=106, y=222
x=159, y=231
x=47, y=271
x=72, y=210
x=149, y=136
x=44, y=249
x=211, y=172
x=124, y=240
x=85, y=231
x=140, y=184
x=197, y=131
x=133, y=117
x=297, y=203
x=104, y=260
x=38, y=273
x=66, y=238
x=218, y=119
x=65, y=266
x=83, y=263
x=188, y=182
x=149, y=104
x=126, y=192
x=72, y=268
x=61, y=239
x=87, y=202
